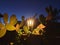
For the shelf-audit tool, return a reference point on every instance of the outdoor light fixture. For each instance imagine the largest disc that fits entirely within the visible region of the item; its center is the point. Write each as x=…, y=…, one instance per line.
x=30, y=23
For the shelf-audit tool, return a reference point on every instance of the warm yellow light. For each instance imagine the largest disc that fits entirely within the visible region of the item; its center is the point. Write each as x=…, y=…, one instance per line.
x=30, y=22
x=11, y=43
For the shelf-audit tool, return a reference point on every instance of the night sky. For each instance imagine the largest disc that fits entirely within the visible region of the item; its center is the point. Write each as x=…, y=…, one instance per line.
x=26, y=8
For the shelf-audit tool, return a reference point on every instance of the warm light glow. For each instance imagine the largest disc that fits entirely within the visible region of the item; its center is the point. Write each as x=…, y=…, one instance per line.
x=30, y=22
x=11, y=43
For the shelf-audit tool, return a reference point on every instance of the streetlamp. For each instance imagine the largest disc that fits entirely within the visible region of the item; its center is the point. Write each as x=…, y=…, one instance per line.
x=30, y=23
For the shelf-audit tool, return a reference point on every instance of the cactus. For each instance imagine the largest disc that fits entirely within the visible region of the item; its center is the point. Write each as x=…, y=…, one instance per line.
x=7, y=26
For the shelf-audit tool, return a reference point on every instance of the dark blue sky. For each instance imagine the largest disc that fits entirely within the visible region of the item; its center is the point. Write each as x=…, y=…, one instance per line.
x=26, y=8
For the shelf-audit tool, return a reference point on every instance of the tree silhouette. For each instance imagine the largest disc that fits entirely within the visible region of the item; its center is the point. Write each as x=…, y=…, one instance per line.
x=52, y=25
x=1, y=16
x=52, y=14
x=23, y=18
x=34, y=15
x=42, y=19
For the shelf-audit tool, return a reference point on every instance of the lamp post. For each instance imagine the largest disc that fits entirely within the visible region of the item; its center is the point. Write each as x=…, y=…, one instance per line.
x=30, y=23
